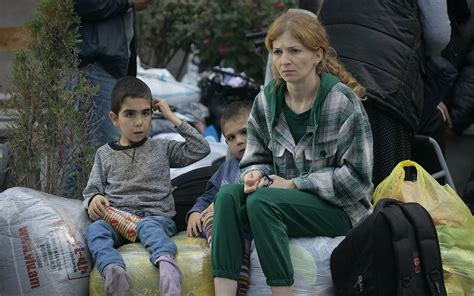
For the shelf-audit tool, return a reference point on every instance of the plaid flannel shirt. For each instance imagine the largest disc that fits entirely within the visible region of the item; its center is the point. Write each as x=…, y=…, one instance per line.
x=336, y=168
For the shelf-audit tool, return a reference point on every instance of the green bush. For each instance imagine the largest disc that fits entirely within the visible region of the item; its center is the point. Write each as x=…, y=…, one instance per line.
x=217, y=28
x=51, y=102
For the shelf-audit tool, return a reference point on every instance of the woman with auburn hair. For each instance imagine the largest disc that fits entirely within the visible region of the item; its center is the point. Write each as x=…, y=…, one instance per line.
x=307, y=167
x=313, y=37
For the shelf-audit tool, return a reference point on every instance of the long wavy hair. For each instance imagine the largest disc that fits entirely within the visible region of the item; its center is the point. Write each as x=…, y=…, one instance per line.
x=305, y=27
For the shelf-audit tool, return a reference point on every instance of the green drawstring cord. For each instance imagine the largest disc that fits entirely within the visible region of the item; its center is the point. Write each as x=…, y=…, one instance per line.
x=312, y=148
x=273, y=153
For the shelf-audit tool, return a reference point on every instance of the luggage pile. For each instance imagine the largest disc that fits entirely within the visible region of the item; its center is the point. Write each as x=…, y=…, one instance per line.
x=418, y=242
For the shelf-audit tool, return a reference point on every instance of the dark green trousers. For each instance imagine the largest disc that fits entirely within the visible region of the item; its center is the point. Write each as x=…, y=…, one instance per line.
x=272, y=215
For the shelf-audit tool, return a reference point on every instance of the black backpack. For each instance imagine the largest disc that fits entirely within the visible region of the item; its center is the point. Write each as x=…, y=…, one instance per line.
x=395, y=251
x=187, y=187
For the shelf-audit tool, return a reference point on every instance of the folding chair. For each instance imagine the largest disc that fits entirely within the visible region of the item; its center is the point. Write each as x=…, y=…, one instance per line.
x=425, y=141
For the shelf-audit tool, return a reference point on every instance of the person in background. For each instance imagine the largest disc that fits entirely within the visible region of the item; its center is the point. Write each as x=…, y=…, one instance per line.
x=107, y=52
x=308, y=163
x=459, y=110
x=460, y=52
x=132, y=174
x=384, y=43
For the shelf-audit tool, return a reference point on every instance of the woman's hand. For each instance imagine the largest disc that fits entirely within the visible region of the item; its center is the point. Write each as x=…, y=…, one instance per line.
x=97, y=207
x=252, y=181
x=194, y=224
x=279, y=182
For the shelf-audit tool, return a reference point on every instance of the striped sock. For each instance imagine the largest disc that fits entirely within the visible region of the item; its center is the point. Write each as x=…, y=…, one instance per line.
x=243, y=284
x=244, y=281
x=207, y=226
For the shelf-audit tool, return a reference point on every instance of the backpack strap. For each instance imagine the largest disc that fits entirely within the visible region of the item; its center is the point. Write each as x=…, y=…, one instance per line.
x=385, y=203
x=401, y=243
x=428, y=243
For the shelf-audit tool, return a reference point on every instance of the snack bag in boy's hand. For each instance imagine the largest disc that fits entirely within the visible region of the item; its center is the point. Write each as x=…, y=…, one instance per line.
x=123, y=222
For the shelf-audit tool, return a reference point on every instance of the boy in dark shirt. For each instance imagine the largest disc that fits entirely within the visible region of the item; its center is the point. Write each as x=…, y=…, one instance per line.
x=199, y=219
x=234, y=127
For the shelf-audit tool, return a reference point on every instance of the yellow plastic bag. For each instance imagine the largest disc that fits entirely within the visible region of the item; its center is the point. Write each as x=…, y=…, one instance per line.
x=442, y=202
x=453, y=219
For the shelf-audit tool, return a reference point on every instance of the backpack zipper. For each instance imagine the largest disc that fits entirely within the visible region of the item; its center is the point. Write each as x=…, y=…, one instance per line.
x=434, y=275
x=359, y=283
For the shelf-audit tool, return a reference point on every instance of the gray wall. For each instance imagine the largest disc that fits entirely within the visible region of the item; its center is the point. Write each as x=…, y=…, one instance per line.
x=13, y=14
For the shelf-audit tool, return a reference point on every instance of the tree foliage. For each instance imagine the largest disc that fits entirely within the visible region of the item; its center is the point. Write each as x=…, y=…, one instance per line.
x=51, y=101
x=217, y=28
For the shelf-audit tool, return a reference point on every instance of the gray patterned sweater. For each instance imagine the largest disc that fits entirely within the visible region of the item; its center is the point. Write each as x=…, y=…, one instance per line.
x=137, y=177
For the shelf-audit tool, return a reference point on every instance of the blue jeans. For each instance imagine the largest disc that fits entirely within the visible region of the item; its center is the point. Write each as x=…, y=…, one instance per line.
x=153, y=232
x=101, y=128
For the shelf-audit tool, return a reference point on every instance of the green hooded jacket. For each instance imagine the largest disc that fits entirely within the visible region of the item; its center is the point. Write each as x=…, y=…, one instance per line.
x=333, y=160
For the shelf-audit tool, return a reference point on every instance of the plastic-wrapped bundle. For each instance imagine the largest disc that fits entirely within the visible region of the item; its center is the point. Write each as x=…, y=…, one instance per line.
x=163, y=85
x=311, y=264
x=193, y=258
x=42, y=238
x=457, y=252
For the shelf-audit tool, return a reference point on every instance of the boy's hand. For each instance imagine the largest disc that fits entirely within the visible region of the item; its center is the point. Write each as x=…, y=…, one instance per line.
x=251, y=181
x=164, y=108
x=209, y=209
x=97, y=207
x=194, y=224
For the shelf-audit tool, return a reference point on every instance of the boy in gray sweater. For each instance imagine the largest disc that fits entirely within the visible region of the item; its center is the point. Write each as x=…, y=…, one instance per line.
x=132, y=174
